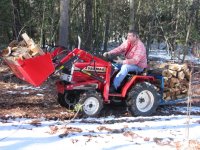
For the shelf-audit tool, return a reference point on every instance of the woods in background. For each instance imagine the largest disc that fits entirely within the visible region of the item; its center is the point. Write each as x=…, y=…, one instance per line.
x=98, y=21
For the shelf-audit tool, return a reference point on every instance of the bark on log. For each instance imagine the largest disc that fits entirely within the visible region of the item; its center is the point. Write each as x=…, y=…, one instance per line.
x=24, y=49
x=176, y=79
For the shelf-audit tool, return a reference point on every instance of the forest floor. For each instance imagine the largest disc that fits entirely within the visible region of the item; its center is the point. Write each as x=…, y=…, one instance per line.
x=20, y=99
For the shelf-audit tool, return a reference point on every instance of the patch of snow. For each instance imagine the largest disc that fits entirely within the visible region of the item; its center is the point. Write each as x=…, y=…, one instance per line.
x=24, y=93
x=31, y=88
x=110, y=133
x=11, y=92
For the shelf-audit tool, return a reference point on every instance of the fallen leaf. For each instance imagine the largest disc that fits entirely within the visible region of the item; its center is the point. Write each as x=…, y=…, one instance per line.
x=36, y=123
x=53, y=129
x=100, y=128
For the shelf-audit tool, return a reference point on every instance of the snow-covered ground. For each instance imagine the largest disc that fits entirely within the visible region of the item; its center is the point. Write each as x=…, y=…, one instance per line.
x=176, y=132
x=110, y=133
x=164, y=55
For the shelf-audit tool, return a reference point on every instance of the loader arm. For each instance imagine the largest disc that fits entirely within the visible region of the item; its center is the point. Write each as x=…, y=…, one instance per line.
x=87, y=57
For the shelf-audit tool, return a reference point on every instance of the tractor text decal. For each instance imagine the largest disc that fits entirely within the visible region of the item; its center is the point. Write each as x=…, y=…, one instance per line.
x=97, y=69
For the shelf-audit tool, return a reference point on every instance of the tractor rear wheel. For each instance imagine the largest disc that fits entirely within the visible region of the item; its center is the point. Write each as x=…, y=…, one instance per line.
x=92, y=104
x=143, y=99
x=69, y=99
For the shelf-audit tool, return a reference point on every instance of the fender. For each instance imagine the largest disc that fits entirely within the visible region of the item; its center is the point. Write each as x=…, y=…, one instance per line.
x=135, y=79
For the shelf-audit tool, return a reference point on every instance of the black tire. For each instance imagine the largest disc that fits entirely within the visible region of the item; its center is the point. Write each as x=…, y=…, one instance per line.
x=60, y=99
x=69, y=99
x=143, y=99
x=92, y=104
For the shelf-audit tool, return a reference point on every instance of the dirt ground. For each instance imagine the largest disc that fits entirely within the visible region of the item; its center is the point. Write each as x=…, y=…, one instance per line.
x=20, y=99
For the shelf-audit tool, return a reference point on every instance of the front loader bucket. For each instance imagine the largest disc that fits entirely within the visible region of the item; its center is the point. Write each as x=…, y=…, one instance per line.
x=33, y=70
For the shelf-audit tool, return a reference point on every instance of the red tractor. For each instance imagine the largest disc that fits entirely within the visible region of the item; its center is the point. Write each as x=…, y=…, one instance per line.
x=85, y=79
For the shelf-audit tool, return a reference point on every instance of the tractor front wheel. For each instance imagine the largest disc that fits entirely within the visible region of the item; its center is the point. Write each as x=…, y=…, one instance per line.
x=91, y=103
x=69, y=99
x=143, y=99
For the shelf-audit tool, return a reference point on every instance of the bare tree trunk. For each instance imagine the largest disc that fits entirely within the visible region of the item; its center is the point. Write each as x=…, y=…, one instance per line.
x=88, y=25
x=177, y=16
x=132, y=15
x=107, y=25
x=64, y=23
x=191, y=18
x=197, y=16
x=42, y=26
x=16, y=18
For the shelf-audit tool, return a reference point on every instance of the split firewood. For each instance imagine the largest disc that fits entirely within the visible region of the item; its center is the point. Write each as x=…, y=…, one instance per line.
x=175, y=67
x=14, y=43
x=24, y=49
x=31, y=45
x=181, y=75
x=175, y=91
x=27, y=39
x=167, y=95
x=166, y=83
x=174, y=82
x=184, y=82
x=184, y=90
x=36, y=49
x=173, y=73
x=176, y=79
x=166, y=73
x=26, y=56
x=19, y=51
x=6, y=52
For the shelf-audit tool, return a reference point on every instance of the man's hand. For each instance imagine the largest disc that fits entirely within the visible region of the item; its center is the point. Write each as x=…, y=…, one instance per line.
x=118, y=60
x=105, y=54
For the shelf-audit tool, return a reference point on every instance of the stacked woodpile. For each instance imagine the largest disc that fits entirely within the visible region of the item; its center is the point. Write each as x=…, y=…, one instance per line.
x=24, y=49
x=176, y=79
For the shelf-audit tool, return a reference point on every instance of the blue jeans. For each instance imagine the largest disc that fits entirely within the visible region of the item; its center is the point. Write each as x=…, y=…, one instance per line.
x=125, y=69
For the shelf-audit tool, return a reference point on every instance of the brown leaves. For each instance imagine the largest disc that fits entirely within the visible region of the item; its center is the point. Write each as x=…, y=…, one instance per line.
x=187, y=145
x=194, y=144
x=65, y=130
x=36, y=123
x=163, y=141
x=74, y=141
x=53, y=129
x=131, y=134
x=69, y=130
x=100, y=128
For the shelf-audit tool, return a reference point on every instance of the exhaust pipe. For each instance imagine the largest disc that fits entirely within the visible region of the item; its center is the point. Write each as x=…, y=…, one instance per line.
x=79, y=42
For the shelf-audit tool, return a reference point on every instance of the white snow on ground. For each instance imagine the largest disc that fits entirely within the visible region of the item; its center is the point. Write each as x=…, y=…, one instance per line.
x=157, y=132
x=109, y=133
x=164, y=55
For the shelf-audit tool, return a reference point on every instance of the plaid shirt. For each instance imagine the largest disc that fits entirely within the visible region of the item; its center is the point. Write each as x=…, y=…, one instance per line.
x=134, y=53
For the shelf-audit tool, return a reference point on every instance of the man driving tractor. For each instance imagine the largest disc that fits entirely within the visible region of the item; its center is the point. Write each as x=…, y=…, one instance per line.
x=134, y=52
